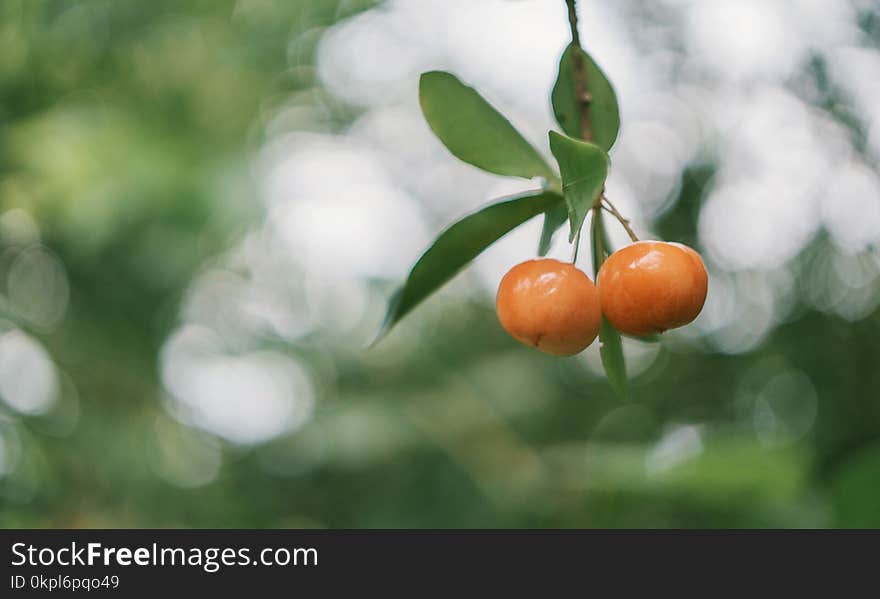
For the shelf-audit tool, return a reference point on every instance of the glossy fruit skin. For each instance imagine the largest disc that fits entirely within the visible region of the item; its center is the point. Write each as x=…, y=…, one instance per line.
x=549, y=305
x=652, y=286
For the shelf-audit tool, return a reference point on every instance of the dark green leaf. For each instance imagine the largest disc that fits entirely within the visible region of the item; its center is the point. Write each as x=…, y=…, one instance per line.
x=553, y=219
x=474, y=131
x=610, y=344
x=584, y=167
x=461, y=243
x=604, y=113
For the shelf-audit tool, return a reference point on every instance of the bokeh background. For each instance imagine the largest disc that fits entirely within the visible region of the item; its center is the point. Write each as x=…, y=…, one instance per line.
x=204, y=206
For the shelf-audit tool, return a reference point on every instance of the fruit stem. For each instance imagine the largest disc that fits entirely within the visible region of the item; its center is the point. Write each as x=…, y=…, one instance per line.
x=609, y=207
x=574, y=251
x=596, y=237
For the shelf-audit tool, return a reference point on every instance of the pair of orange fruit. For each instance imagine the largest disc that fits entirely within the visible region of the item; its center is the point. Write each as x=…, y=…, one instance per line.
x=644, y=288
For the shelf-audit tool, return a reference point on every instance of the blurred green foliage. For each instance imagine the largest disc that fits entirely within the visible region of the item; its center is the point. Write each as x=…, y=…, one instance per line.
x=126, y=130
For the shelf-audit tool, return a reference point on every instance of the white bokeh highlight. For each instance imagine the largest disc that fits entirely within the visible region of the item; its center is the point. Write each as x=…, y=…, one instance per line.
x=28, y=380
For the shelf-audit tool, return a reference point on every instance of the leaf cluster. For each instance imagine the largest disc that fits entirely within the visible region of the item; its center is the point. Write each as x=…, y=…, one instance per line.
x=476, y=133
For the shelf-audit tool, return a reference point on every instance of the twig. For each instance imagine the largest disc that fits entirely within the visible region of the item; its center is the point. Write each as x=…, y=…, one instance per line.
x=583, y=98
x=609, y=207
x=581, y=89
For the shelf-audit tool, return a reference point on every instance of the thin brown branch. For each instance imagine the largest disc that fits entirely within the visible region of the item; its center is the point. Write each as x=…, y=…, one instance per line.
x=609, y=207
x=583, y=98
x=581, y=88
x=581, y=92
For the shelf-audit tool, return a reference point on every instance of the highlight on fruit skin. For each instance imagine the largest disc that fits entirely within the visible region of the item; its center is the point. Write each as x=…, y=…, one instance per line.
x=550, y=305
x=652, y=286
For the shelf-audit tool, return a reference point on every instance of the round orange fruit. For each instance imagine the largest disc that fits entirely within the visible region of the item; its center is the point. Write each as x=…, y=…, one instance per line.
x=652, y=286
x=549, y=305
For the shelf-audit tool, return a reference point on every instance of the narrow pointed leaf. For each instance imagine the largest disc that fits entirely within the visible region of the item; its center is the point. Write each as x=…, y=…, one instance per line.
x=461, y=243
x=584, y=167
x=474, y=131
x=553, y=219
x=604, y=112
x=611, y=351
x=610, y=344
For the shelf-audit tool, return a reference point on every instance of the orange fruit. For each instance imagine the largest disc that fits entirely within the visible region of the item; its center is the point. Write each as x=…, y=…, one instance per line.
x=549, y=305
x=652, y=286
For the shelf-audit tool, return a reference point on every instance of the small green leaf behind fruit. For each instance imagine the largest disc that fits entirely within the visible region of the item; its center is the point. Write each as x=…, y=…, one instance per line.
x=611, y=352
x=604, y=112
x=584, y=168
x=459, y=244
x=474, y=131
x=610, y=344
x=553, y=219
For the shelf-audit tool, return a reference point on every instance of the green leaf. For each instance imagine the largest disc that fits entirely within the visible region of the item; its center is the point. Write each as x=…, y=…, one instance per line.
x=461, y=243
x=611, y=351
x=474, y=131
x=610, y=344
x=584, y=167
x=553, y=219
x=603, y=109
